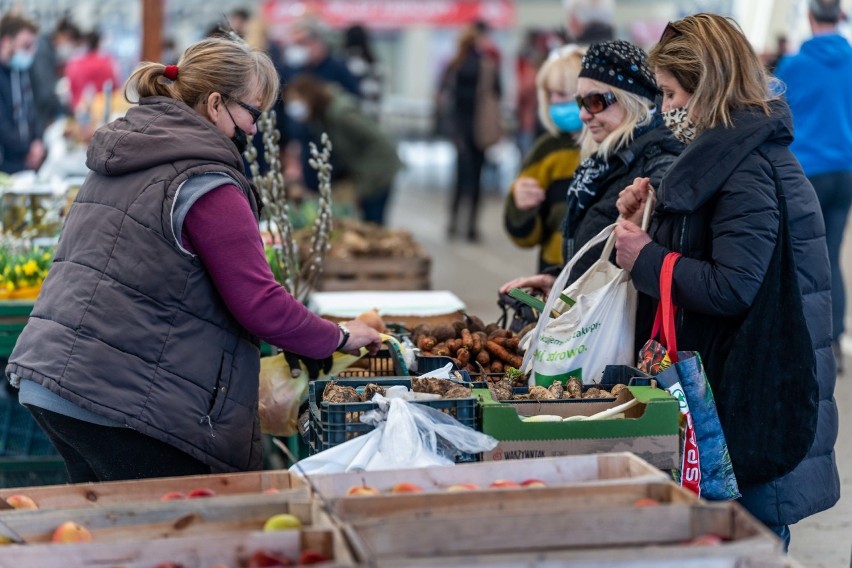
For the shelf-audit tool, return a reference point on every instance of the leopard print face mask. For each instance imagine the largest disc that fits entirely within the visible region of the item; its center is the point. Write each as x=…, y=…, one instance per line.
x=677, y=120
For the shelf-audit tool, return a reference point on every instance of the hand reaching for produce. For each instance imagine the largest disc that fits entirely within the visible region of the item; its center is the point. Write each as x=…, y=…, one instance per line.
x=361, y=335
x=543, y=282
x=527, y=193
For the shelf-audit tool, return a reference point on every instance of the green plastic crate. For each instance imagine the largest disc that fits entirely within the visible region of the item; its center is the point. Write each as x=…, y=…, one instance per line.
x=13, y=317
x=32, y=470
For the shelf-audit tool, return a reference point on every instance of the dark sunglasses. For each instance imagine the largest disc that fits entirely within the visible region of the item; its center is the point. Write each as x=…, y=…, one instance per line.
x=596, y=102
x=255, y=113
x=670, y=32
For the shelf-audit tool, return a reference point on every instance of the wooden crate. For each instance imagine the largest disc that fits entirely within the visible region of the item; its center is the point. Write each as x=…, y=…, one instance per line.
x=169, y=519
x=197, y=551
x=553, y=499
x=348, y=274
x=435, y=534
x=566, y=470
x=151, y=490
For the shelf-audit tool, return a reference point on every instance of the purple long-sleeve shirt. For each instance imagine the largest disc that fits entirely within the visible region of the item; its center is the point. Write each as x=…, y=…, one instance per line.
x=220, y=228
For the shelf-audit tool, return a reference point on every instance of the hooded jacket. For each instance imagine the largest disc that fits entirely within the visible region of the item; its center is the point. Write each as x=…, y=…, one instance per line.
x=717, y=206
x=129, y=325
x=819, y=90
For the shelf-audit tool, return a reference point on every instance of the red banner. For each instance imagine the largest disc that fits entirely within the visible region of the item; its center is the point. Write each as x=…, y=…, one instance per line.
x=392, y=13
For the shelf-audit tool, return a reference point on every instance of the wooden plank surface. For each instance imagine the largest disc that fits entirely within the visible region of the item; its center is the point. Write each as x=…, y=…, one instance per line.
x=118, y=492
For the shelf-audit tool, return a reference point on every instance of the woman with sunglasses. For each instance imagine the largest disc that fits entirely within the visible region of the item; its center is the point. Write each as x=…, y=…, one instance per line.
x=624, y=138
x=141, y=356
x=721, y=206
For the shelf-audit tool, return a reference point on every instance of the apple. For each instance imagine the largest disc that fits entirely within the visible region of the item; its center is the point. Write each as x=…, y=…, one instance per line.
x=201, y=492
x=268, y=559
x=271, y=490
x=504, y=484
x=533, y=483
x=309, y=557
x=362, y=490
x=707, y=539
x=21, y=502
x=173, y=495
x=282, y=522
x=69, y=531
x=406, y=488
x=463, y=487
x=646, y=502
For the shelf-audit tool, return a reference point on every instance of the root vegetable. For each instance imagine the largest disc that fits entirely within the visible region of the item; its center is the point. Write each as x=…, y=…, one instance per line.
x=556, y=389
x=499, y=332
x=574, y=386
x=453, y=345
x=512, y=343
x=501, y=353
x=444, y=332
x=483, y=358
x=441, y=349
x=475, y=323
x=335, y=393
x=617, y=389
x=426, y=343
x=466, y=339
x=541, y=393
x=490, y=327
x=497, y=366
x=463, y=355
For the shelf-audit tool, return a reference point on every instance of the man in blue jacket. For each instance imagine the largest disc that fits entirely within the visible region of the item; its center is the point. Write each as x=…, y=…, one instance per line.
x=819, y=92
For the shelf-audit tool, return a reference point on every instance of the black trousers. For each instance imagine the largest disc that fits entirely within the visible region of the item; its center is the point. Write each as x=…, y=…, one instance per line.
x=103, y=453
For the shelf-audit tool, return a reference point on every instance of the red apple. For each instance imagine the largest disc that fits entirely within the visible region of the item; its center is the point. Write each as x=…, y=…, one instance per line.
x=309, y=557
x=533, y=483
x=21, y=502
x=463, y=487
x=268, y=559
x=362, y=490
x=201, y=492
x=69, y=531
x=504, y=484
x=405, y=487
x=172, y=495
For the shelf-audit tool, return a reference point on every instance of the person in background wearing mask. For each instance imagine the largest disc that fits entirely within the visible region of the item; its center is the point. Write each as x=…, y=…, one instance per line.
x=536, y=203
x=367, y=157
x=142, y=355
x=54, y=51
x=21, y=146
x=819, y=92
x=362, y=63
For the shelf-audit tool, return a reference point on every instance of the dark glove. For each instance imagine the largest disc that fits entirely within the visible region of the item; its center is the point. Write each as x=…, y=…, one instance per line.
x=314, y=366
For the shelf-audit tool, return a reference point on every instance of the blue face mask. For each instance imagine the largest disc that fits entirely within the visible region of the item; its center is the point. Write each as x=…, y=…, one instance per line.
x=566, y=116
x=22, y=60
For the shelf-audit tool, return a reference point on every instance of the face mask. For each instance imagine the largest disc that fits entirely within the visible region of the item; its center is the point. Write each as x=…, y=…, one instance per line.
x=239, y=138
x=296, y=55
x=677, y=120
x=22, y=60
x=297, y=110
x=566, y=116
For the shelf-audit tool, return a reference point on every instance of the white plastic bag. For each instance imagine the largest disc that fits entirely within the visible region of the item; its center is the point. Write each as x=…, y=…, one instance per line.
x=595, y=332
x=407, y=435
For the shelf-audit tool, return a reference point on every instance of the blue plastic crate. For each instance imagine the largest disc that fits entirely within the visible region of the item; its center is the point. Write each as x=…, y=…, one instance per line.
x=334, y=423
x=20, y=435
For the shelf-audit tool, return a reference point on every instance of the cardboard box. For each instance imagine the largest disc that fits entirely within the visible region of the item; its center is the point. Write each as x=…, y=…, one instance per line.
x=650, y=430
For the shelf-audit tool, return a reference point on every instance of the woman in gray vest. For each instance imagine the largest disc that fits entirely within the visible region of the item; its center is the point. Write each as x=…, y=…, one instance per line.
x=141, y=356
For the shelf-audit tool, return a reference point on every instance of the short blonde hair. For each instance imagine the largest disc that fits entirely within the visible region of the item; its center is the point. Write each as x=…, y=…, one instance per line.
x=217, y=64
x=558, y=73
x=638, y=111
x=713, y=60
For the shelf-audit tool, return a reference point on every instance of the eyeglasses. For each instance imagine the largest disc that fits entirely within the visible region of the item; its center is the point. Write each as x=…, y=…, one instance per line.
x=596, y=102
x=670, y=32
x=254, y=112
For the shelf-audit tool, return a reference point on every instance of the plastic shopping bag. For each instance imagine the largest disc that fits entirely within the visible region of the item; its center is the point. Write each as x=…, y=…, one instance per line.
x=595, y=332
x=280, y=396
x=407, y=435
x=706, y=467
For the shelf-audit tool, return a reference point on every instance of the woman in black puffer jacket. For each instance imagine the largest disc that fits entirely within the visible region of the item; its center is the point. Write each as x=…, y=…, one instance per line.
x=718, y=205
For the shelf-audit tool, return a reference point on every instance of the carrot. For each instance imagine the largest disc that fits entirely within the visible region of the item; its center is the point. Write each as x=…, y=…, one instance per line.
x=483, y=358
x=466, y=339
x=426, y=343
x=463, y=355
x=499, y=332
x=497, y=366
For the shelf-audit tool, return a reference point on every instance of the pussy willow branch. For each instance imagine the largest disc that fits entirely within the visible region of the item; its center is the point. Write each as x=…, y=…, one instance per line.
x=297, y=276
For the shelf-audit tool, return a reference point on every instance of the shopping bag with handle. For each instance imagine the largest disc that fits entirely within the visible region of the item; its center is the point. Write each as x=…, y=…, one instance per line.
x=596, y=330
x=706, y=467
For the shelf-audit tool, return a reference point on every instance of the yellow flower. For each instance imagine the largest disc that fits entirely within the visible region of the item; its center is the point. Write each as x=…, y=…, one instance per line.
x=17, y=269
x=45, y=256
x=10, y=286
x=30, y=268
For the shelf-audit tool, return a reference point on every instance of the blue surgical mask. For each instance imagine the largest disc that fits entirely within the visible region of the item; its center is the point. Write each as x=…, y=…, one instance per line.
x=22, y=60
x=566, y=116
